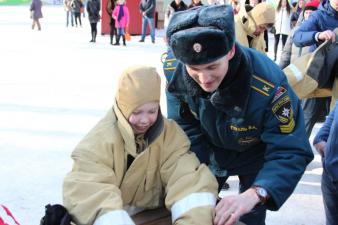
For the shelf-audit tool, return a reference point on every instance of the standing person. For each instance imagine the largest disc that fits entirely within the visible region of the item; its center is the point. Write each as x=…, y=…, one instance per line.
x=195, y=3
x=110, y=7
x=84, y=3
x=236, y=5
x=250, y=24
x=326, y=143
x=282, y=24
x=297, y=10
x=239, y=112
x=93, y=10
x=135, y=159
x=76, y=8
x=69, y=13
x=174, y=6
x=291, y=51
x=36, y=13
x=312, y=32
x=147, y=8
x=121, y=16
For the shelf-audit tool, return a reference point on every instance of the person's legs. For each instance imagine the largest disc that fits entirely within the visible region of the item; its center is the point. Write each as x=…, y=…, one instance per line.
x=152, y=29
x=330, y=198
x=258, y=214
x=92, y=32
x=112, y=31
x=118, y=36
x=276, y=46
x=95, y=31
x=38, y=23
x=266, y=39
x=284, y=38
x=75, y=18
x=67, y=18
x=72, y=18
x=80, y=19
x=144, y=28
x=315, y=110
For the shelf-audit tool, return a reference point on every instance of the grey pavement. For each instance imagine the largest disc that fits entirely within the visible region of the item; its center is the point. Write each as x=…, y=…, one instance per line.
x=55, y=86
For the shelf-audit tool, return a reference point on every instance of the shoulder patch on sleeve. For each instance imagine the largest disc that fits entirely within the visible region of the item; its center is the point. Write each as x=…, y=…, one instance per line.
x=262, y=86
x=279, y=93
x=169, y=64
x=282, y=110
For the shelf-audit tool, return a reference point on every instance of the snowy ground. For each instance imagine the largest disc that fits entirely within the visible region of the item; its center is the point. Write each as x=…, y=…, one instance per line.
x=54, y=86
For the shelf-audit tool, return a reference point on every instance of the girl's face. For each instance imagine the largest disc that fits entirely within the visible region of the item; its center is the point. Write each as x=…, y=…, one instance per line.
x=284, y=3
x=121, y=2
x=143, y=117
x=300, y=3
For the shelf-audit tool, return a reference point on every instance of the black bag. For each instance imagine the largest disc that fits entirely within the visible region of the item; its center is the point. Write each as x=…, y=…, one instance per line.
x=273, y=30
x=56, y=215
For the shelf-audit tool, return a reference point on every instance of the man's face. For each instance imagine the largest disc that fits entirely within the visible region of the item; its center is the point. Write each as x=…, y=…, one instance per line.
x=209, y=76
x=334, y=4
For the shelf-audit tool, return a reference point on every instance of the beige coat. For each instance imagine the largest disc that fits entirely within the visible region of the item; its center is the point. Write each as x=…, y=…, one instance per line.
x=166, y=171
x=244, y=29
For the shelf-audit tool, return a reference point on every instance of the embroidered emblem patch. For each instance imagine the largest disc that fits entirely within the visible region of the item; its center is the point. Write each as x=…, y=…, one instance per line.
x=280, y=91
x=197, y=47
x=282, y=110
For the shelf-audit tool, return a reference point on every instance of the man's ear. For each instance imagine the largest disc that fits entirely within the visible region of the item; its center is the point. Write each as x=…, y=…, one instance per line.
x=231, y=53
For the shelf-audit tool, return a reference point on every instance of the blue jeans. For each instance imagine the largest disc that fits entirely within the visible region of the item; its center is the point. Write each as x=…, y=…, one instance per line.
x=146, y=20
x=120, y=31
x=71, y=18
x=330, y=198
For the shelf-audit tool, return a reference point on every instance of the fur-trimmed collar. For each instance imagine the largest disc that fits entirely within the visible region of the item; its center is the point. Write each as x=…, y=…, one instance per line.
x=232, y=95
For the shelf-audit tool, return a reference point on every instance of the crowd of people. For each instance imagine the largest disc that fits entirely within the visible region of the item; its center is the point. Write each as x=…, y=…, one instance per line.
x=231, y=112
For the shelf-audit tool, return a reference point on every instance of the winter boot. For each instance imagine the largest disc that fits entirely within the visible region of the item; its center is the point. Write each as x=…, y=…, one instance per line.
x=117, y=40
x=124, y=40
x=111, y=39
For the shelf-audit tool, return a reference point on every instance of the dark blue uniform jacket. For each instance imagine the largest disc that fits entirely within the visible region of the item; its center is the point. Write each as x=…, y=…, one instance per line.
x=325, y=18
x=329, y=134
x=252, y=123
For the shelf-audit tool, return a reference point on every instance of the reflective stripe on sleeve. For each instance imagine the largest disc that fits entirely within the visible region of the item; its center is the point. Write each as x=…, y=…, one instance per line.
x=192, y=201
x=116, y=217
x=296, y=72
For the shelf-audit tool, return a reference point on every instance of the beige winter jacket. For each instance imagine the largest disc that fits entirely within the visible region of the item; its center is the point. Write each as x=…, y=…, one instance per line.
x=246, y=23
x=100, y=186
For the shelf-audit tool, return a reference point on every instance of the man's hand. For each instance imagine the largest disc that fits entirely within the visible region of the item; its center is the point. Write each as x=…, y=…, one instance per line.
x=320, y=147
x=230, y=208
x=144, y=14
x=327, y=35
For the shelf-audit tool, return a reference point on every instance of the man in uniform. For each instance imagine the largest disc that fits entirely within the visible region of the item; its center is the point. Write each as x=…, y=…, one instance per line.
x=239, y=112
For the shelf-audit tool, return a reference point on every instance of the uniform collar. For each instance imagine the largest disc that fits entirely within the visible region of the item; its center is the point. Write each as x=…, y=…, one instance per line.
x=232, y=95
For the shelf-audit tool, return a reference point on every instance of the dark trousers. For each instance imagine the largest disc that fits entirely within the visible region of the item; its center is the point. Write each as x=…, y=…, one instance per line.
x=112, y=30
x=315, y=110
x=77, y=16
x=330, y=198
x=258, y=214
x=284, y=38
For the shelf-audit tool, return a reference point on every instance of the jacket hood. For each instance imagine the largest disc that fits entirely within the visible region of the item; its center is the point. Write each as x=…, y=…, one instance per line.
x=326, y=7
x=250, y=18
x=136, y=86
